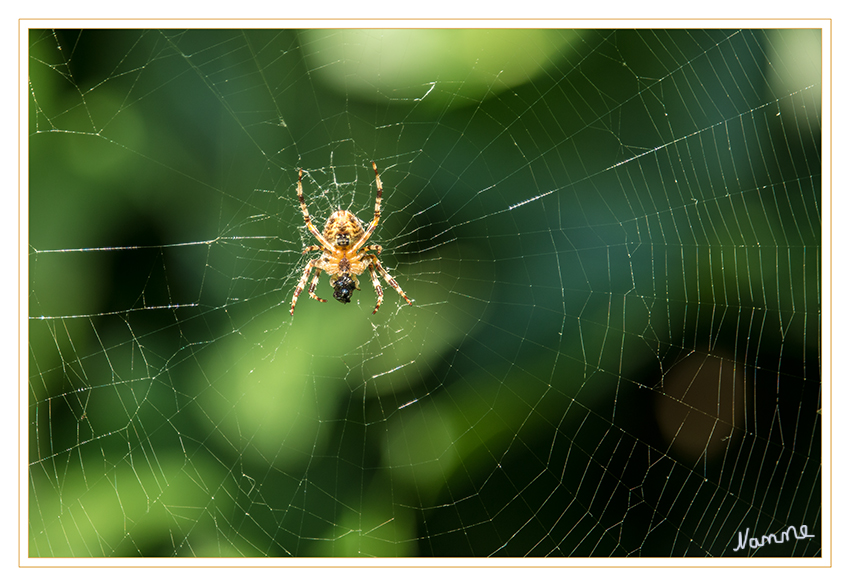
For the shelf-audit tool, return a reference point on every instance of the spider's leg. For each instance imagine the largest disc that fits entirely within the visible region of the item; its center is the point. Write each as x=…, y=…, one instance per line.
x=300, y=286
x=373, y=261
x=377, y=285
x=313, y=230
x=312, y=248
x=312, y=289
x=374, y=223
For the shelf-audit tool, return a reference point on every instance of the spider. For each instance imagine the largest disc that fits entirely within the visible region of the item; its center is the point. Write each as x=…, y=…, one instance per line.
x=344, y=255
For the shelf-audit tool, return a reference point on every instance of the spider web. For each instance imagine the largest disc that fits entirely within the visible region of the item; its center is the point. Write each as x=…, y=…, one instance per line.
x=612, y=244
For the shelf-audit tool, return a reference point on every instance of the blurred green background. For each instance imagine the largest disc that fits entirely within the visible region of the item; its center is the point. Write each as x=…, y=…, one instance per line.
x=612, y=241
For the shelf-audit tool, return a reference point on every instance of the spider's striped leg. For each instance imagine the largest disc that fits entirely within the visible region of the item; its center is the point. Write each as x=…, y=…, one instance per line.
x=300, y=287
x=313, y=230
x=374, y=223
x=371, y=258
x=373, y=261
x=377, y=285
x=312, y=289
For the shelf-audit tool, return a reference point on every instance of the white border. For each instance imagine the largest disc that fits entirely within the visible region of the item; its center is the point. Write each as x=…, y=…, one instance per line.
x=23, y=486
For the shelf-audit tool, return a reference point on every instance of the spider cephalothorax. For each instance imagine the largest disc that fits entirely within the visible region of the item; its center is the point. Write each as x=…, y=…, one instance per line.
x=344, y=255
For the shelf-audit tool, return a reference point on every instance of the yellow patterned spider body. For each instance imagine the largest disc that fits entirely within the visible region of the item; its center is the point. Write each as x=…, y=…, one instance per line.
x=344, y=253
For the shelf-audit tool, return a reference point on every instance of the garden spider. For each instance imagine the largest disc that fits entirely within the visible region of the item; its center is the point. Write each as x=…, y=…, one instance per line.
x=343, y=254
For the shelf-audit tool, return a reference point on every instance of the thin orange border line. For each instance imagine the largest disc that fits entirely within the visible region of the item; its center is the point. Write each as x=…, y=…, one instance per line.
x=401, y=565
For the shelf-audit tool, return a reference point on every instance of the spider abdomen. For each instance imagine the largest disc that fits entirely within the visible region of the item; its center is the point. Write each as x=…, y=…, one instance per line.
x=343, y=229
